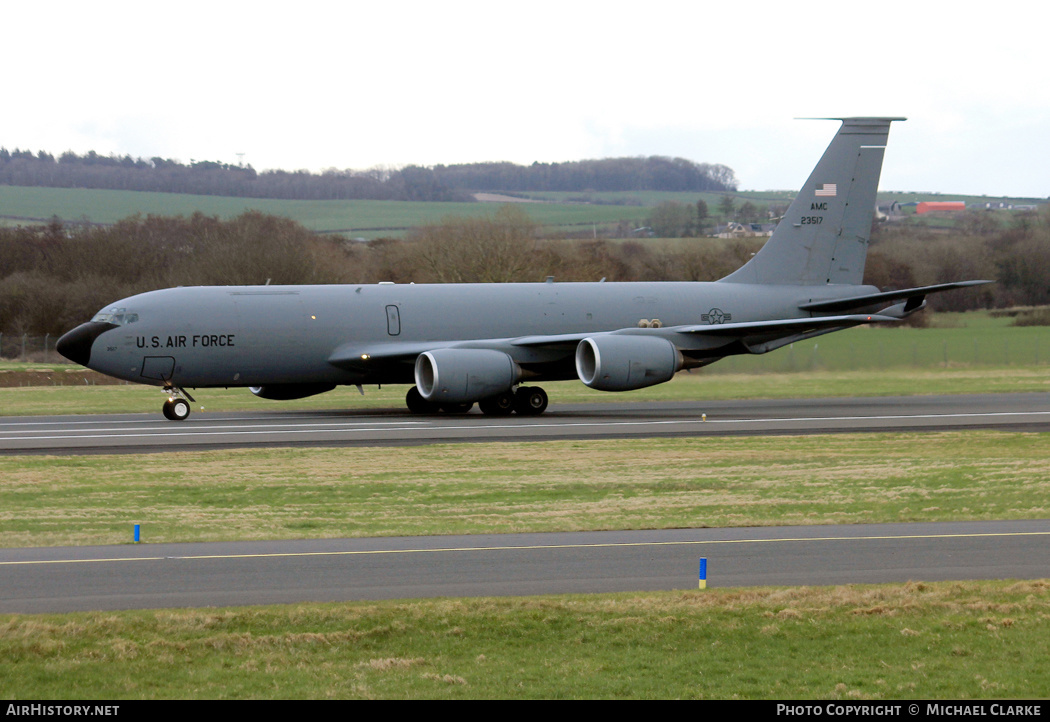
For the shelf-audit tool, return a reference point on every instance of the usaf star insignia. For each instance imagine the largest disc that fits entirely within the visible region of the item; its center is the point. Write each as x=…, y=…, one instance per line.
x=716, y=315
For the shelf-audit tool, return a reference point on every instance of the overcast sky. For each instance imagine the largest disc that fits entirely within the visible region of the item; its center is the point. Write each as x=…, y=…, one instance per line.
x=318, y=85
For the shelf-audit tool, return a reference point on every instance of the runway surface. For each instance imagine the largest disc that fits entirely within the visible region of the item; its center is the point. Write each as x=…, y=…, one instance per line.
x=396, y=427
x=144, y=576
x=177, y=575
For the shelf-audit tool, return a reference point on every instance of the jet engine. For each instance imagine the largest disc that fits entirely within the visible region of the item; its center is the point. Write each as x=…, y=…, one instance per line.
x=456, y=376
x=287, y=392
x=622, y=362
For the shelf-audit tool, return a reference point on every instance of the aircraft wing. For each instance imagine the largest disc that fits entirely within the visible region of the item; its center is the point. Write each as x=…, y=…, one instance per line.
x=713, y=341
x=351, y=355
x=357, y=357
x=915, y=297
x=739, y=330
x=787, y=325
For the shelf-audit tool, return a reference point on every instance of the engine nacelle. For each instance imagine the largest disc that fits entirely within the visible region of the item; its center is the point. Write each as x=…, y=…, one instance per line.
x=464, y=375
x=623, y=362
x=287, y=392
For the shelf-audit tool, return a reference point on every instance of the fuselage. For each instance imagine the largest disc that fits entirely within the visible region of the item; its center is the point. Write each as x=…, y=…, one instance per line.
x=255, y=335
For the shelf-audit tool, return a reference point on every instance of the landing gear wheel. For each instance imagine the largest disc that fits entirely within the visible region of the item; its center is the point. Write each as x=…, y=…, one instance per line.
x=176, y=409
x=417, y=404
x=502, y=405
x=530, y=401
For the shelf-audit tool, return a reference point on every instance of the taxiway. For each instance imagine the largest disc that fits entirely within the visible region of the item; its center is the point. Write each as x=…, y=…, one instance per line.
x=64, y=579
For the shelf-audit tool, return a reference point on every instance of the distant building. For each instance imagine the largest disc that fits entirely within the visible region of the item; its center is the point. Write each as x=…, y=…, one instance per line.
x=939, y=206
x=889, y=211
x=745, y=230
x=1003, y=205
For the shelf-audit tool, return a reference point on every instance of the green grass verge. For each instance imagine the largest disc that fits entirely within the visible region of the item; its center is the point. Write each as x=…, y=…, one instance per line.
x=524, y=487
x=702, y=385
x=952, y=641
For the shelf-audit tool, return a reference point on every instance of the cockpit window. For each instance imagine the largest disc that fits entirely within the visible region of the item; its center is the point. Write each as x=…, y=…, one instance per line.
x=118, y=316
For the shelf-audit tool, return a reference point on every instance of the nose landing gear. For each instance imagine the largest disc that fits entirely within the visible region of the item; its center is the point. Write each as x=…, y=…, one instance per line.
x=177, y=408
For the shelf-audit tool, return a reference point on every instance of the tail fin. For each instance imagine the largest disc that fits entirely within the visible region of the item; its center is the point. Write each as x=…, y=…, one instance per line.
x=823, y=237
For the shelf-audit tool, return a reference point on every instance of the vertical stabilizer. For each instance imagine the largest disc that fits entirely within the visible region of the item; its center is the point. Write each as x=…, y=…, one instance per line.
x=823, y=237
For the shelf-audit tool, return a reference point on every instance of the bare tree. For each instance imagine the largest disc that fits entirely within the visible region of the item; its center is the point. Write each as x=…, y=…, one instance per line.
x=726, y=206
x=500, y=249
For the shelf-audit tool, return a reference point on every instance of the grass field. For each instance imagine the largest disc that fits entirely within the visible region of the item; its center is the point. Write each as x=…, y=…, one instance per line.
x=698, y=385
x=368, y=219
x=954, y=340
x=654, y=198
x=936, y=641
x=524, y=487
x=372, y=219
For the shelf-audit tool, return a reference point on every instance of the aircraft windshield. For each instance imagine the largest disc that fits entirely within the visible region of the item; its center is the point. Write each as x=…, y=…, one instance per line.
x=118, y=316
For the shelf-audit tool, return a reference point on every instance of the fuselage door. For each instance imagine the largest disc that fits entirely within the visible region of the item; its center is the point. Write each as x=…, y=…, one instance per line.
x=393, y=320
x=158, y=368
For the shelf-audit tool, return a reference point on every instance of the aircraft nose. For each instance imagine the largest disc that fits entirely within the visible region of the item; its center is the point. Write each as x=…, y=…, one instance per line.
x=75, y=345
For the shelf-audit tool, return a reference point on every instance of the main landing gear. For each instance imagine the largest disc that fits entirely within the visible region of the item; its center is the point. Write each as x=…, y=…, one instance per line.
x=530, y=400
x=526, y=400
x=177, y=408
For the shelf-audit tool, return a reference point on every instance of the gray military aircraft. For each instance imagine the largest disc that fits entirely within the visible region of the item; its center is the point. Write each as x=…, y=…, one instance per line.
x=461, y=344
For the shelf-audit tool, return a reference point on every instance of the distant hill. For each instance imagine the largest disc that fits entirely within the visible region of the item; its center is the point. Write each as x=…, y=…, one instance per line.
x=655, y=173
x=454, y=183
